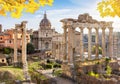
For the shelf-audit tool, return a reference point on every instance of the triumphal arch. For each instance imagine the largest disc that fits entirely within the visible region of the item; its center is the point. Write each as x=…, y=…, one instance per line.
x=85, y=21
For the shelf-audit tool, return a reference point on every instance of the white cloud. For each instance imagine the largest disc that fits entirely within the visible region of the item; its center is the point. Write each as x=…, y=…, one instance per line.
x=85, y=3
x=56, y=15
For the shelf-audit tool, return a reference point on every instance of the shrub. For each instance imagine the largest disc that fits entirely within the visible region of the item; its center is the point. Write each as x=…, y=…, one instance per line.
x=7, y=50
x=58, y=72
x=107, y=60
x=48, y=66
x=56, y=66
x=48, y=61
x=109, y=70
x=34, y=65
x=91, y=73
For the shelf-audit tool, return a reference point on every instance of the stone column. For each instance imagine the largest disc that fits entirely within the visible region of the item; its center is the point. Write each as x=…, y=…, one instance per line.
x=103, y=43
x=15, y=45
x=65, y=43
x=24, y=54
x=97, y=43
x=81, y=44
x=70, y=44
x=111, y=42
x=89, y=43
x=59, y=50
x=73, y=44
x=24, y=42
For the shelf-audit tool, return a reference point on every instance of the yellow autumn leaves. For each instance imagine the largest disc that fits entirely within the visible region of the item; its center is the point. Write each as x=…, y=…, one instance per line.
x=109, y=8
x=17, y=7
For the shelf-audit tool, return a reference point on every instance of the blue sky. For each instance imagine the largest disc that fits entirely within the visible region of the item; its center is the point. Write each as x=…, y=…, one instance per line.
x=61, y=9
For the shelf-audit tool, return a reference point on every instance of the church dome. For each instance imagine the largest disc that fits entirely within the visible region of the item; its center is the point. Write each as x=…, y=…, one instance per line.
x=45, y=23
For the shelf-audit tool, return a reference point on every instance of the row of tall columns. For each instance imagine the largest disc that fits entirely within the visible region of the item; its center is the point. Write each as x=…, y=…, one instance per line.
x=71, y=45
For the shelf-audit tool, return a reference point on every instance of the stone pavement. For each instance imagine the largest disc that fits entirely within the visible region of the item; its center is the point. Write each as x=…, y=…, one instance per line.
x=59, y=80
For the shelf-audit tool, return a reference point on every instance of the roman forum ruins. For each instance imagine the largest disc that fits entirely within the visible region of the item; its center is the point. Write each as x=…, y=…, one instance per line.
x=85, y=21
x=21, y=28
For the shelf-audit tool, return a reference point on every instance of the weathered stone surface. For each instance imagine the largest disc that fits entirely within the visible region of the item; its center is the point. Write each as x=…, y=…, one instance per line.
x=114, y=65
x=85, y=79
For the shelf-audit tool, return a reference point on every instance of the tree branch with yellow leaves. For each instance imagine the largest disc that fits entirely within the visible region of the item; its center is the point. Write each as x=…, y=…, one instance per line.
x=17, y=7
x=109, y=8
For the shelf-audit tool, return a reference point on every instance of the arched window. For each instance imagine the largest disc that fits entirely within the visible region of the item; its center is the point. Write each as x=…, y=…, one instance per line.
x=1, y=38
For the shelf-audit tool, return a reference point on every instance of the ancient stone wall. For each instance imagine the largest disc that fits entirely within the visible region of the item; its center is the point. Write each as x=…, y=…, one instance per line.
x=85, y=79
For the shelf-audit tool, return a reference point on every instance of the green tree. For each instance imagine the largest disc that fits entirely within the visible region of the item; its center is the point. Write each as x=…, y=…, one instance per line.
x=7, y=50
x=30, y=48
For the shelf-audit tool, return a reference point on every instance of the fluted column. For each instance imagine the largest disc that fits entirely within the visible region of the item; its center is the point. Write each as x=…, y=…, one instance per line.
x=15, y=45
x=111, y=42
x=89, y=43
x=81, y=44
x=65, y=42
x=103, y=43
x=96, y=43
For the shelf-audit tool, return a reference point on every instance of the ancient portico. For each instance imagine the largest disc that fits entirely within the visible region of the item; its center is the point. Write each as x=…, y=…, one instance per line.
x=85, y=21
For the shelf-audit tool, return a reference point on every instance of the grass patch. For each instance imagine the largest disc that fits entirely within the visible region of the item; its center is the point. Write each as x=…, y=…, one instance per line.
x=57, y=72
x=9, y=74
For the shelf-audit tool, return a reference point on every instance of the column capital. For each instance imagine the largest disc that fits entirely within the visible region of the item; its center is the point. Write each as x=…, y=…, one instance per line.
x=96, y=28
x=110, y=28
x=89, y=28
x=81, y=28
x=15, y=30
x=64, y=26
x=103, y=28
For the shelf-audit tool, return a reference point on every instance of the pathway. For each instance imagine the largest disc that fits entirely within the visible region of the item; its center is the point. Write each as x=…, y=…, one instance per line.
x=59, y=80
